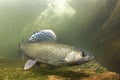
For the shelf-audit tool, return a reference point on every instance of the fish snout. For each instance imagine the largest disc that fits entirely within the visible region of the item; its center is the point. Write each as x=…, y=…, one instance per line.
x=88, y=58
x=85, y=59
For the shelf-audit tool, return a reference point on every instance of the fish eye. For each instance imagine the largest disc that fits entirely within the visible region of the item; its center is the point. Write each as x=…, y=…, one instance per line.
x=83, y=54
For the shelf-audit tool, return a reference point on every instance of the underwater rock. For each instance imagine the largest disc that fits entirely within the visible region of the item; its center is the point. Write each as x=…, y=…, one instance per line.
x=103, y=76
x=108, y=41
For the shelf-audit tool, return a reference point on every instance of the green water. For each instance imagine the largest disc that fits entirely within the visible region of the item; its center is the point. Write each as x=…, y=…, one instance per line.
x=20, y=19
x=79, y=23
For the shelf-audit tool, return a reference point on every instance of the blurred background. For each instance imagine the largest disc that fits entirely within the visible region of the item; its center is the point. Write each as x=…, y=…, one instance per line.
x=93, y=25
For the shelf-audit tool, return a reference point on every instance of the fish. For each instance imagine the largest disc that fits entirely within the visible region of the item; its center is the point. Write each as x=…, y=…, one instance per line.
x=53, y=53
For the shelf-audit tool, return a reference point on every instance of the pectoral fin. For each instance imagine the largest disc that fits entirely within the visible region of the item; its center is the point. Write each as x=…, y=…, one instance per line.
x=29, y=64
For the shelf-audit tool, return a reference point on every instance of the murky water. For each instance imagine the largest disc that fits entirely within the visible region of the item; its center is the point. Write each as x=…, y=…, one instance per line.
x=89, y=24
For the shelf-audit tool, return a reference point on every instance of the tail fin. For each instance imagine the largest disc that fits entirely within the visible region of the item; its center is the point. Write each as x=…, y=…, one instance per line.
x=20, y=52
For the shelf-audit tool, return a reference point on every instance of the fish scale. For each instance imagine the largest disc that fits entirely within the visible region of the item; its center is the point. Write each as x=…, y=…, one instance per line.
x=47, y=51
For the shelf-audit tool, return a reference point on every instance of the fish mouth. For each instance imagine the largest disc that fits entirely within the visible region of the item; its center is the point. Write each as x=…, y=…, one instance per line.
x=91, y=57
x=88, y=58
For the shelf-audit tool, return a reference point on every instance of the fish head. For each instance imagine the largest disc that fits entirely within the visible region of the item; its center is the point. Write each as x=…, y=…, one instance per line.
x=79, y=57
x=83, y=57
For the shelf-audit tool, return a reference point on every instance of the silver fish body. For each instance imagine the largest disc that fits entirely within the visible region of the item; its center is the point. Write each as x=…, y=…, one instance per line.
x=55, y=54
x=41, y=47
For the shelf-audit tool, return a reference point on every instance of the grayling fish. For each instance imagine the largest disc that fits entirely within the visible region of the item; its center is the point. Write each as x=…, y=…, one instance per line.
x=52, y=53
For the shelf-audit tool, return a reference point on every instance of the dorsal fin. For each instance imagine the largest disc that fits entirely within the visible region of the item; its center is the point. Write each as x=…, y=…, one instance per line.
x=42, y=35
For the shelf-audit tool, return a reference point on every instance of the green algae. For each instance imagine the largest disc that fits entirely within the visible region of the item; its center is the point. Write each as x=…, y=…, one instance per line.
x=13, y=70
